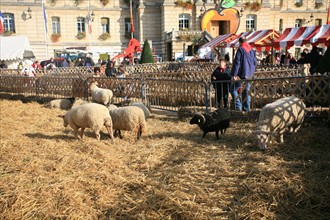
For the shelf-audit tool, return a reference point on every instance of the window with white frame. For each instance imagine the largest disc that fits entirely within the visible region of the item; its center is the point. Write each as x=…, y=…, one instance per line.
x=105, y=25
x=298, y=23
x=56, y=25
x=81, y=24
x=9, y=22
x=251, y=22
x=184, y=22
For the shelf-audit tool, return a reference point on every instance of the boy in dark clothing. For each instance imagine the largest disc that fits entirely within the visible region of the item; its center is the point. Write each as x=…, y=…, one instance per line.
x=220, y=74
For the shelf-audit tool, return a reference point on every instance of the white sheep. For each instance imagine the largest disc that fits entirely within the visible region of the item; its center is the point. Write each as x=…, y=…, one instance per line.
x=61, y=103
x=111, y=107
x=129, y=118
x=146, y=111
x=286, y=114
x=91, y=115
x=79, y=101
x=100, y=95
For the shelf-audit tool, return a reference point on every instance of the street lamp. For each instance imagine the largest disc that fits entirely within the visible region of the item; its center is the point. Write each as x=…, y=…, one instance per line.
x=27, y=16
x=92, y=15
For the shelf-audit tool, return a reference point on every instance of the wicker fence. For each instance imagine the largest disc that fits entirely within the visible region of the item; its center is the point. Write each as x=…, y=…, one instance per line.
x=168, y=93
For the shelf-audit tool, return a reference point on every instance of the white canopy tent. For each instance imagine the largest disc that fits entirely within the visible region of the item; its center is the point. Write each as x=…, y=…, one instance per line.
x=14, y=49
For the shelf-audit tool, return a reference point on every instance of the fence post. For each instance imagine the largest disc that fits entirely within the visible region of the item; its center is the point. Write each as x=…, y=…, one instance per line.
x=143, y=92
x=86, y=88
x=207, y=97
x=37, y=87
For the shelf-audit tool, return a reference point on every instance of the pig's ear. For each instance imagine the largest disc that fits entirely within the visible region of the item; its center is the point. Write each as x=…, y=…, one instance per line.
x=61, y=116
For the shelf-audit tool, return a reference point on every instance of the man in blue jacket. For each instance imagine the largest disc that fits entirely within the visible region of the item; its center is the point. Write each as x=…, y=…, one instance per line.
x=244, y=66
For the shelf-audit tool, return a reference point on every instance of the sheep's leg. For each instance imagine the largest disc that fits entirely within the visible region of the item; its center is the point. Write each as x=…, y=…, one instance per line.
x=139, y=132
x=82, y=133
x=75, y=129
x=217, y=134
x=109, y=128
x=97, y=134
x=119, y=133
x=204, y=134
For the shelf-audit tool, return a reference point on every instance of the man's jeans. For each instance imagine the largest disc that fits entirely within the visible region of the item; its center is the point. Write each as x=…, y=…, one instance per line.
x=245, y=96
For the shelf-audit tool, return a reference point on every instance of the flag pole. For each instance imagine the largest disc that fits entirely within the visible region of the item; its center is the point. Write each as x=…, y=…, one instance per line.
x=45, y=25
x=131, y=18
x=89, y=25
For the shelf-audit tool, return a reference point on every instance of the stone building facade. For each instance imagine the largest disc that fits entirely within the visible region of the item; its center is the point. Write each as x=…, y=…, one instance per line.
x=171, y=26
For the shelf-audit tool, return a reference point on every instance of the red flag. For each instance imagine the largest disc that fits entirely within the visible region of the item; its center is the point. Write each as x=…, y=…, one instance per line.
x=328, y=20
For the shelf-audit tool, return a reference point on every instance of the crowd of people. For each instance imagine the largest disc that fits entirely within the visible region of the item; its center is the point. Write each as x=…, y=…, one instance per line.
x=103, y=68
x=312, y=58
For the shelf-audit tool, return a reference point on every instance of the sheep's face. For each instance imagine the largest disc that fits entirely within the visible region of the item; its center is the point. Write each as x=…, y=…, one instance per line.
x=65, y=122
x=195, y=120
x=262, y=140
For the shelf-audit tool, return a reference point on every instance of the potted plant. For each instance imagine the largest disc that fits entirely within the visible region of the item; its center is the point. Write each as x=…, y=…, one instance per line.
x=77, y=2
x=55, y=37
x=52, y=2
x=185, y=4
x=318, y=5
x=298, y=4
x=247, y=5
x=104, y=2
x=128, y=35
x=104, y=36
x=81, y=35
x=255, y=6
x=8, y=33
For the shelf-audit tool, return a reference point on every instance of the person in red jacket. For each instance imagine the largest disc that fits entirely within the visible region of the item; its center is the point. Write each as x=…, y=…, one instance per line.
x=244, y=66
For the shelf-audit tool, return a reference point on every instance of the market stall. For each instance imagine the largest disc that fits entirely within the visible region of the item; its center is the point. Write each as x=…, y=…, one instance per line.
x=14, y=49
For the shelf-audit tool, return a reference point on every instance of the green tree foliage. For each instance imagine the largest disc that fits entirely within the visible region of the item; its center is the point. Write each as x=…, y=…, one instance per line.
x=146, y=56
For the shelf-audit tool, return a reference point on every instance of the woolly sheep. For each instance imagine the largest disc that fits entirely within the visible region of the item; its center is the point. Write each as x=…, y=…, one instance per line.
x=146, y=111
x=129, y=118
x=100, y=95
x=218, y=120
x=286, y=114
x=111, y=107
x=79, y=101
x=91, y=115
x=61, y=103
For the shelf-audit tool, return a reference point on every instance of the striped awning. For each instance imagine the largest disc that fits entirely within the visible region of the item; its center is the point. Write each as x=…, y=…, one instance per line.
x=220, y=40
x=262, y=38
x=299, y=36
x=322, y=35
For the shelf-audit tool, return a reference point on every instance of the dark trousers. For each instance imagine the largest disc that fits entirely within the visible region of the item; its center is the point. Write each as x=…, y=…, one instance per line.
x=222, y=91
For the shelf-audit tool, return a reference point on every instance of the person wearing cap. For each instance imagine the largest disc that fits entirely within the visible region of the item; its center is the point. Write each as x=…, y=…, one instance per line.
x=243, y=67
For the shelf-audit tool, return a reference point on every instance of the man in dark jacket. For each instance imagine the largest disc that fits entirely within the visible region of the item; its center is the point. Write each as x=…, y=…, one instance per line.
x=244, y=66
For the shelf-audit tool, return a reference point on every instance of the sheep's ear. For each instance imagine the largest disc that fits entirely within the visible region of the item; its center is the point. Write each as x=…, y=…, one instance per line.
x=61, y=116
